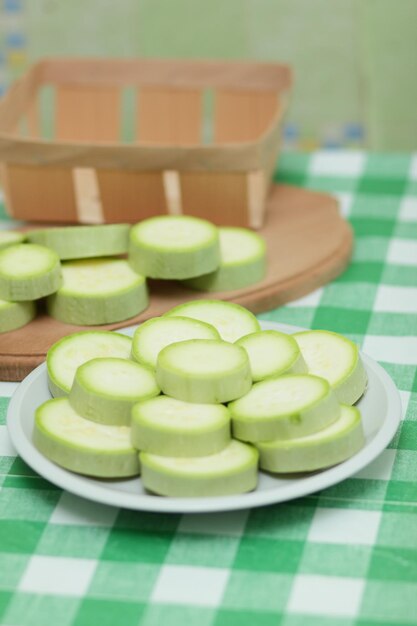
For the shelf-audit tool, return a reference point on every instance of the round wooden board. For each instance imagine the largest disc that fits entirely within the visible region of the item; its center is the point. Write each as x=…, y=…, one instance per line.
x=308, y=243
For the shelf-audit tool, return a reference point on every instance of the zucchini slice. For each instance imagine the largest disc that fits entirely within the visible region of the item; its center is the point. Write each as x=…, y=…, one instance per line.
x=83, y=242
x=336, y=359
x=170, y=427
x=105, y=389
x=289, y=406
x=329, y=446
x=231, y=320
x=98, y=291
x=15, y=314
x=10, y=238
x=28, y=272
x=174, y=247
x=231, y=471
x=81, y=446
x=67, y=354
x=203, y=371
x=272, y=353
x=157, y=333
x=242, y=262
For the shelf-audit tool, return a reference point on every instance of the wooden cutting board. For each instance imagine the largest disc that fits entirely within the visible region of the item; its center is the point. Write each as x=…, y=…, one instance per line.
x=308, y=244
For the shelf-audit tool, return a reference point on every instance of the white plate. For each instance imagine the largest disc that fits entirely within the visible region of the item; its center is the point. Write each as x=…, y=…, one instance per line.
x=380, y=408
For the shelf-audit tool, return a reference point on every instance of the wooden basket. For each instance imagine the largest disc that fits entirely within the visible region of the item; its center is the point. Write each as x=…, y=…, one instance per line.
x=85, y=173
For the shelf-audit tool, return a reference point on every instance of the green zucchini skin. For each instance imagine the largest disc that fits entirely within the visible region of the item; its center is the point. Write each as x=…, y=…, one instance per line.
x=348, y=386
x=196, y=434
x=253, y=424
x=73, y=304
x=272, y=353
x=231, y=320
x=83, y=242
x=67, y=354
x=81, y=458
x=34, y=283
x=157, y=333
x=14, y=315
x=198, y=382
x=149, y=256
x=326, y=448
x=245, y=265
x=10, y=238
x=110, y=405
x=179, y=478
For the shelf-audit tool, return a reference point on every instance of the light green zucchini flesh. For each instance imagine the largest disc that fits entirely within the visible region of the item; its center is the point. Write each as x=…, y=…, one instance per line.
x=10, y=238
x=66, y=355
x=157, y=333
x=288, y=406
x=231, y=320
x=331, y=445
x=28, y=272
x=203, y=371
x=243, y=262
x=106, y=389
x=82, y=446
x=336, y=359
x=174, y=247
x=82, y=242
x=14, y=315
x=98, y=291
x=169, y=427
x=272, y=353
x=231, y=471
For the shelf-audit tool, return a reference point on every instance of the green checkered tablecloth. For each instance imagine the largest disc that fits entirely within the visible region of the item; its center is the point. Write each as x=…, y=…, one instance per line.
x=342, y=557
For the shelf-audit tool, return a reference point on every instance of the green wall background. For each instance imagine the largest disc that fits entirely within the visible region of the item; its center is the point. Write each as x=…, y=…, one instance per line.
x=354, y=60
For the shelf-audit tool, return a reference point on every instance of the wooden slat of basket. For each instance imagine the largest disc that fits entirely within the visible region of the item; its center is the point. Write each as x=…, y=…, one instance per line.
x=219, y=197
x=163, y=73
x=138, y=195
x=33, y=118
x=14, y=103
x=169, y=116
x=47, y=194
x=243, y=115
x=87, y=113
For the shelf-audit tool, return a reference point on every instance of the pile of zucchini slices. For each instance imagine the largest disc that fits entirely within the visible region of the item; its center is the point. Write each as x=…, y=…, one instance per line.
x=92, y=275
x=201, y=398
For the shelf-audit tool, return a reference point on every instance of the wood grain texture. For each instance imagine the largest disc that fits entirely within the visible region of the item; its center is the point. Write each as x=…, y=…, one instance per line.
x=87, y=114
x=131, y=196
x=169, y=116
x=42, y=194
x=243, y=115
x=308, y=244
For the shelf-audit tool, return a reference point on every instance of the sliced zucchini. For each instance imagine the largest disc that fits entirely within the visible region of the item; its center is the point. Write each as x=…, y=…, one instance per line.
x=231, y=471
x=157, y=333
x=170, y=427
x=203, y=371
x=272, y=353
x=82, y=242
x=289, y=406
x=231, y=320
x=82, y=446
x=28, y=272
x=98, y=291
x=329, y=446
x=10, y=238
x=174, y=246
x=67, y=354
x=242, y=262
x=105, y=389
x=15, y=314
x=336, y=359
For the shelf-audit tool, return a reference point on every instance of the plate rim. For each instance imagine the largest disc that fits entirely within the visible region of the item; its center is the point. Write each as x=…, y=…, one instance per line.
x=76, y=484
